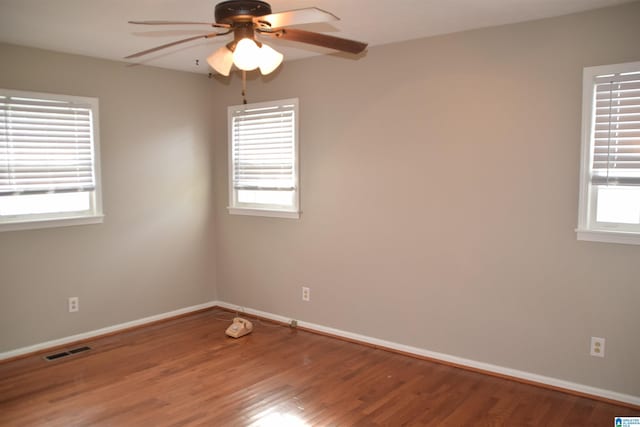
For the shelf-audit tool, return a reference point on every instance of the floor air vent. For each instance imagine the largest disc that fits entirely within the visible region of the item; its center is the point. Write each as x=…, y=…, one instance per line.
x=62, y=354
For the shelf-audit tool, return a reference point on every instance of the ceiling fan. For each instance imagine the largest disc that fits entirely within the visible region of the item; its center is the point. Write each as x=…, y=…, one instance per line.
x=247, y=19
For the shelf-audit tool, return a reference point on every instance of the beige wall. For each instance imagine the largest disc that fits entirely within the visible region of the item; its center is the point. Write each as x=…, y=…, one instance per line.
x=155, y=252
x=439, y=193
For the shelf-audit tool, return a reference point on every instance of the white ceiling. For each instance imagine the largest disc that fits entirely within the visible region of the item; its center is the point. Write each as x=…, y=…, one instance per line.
x=99, y=27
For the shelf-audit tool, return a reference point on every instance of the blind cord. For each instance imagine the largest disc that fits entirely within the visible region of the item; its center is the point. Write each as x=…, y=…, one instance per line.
x=609, y=129
x=244, y=87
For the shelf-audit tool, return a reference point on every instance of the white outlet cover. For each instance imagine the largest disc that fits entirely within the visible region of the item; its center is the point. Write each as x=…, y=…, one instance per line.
x=597, y=346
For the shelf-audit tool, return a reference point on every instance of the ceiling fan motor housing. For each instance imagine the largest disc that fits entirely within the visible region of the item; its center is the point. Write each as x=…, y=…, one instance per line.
x=233, y=11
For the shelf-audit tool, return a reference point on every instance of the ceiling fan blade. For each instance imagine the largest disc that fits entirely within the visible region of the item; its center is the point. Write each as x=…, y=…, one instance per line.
x=309, y=15
x=332, y=42
x=204, y=36
x=211, y=24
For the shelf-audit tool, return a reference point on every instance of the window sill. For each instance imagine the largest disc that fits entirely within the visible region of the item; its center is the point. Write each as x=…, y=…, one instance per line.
x=625, y=238
x=264, y=212
x=50, y=223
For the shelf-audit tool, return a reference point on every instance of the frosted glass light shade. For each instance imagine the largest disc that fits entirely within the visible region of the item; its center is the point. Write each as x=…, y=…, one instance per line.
x=221, y=60
x=246, y=55
x=270, y=59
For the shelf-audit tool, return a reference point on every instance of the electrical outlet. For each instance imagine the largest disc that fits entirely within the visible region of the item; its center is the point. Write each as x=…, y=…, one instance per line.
x=74, y=304
x=306, y=294
x=597, y=347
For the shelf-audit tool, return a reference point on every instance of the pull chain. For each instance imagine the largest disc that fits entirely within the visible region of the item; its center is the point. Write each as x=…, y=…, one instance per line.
x=244, y=87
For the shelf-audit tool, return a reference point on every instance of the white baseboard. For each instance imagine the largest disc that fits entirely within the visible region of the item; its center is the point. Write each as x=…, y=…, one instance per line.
x=527, y=376
x=110, y=329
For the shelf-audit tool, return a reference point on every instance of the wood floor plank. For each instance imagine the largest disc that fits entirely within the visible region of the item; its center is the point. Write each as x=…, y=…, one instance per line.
x=186, y=372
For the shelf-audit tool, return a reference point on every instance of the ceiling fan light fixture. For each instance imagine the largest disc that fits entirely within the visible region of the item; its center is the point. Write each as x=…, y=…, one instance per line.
x=246, y=55
x=221, y=60
x=246, y=19
x=270, y=59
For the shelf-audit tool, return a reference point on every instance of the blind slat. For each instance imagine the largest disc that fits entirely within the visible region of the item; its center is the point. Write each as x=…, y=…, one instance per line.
x=263, y=148
x=45, y=146
x=616, y=131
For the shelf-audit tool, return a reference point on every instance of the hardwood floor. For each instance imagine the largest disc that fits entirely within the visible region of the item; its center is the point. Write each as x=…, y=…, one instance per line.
x=187, y=372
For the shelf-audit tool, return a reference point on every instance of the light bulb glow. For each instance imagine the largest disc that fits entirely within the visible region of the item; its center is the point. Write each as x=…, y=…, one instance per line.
x=221, y=60
x=246, y=55
x=270, y=59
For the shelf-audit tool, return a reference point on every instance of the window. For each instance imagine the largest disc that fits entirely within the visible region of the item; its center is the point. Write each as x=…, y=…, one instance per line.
x=49, y=170
x=610, y=175
x=263, y=159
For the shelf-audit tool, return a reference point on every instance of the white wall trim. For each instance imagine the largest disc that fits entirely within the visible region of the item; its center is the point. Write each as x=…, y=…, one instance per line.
x=51, y=223
x=110, y=329
x=609, y=236
x=527, y=376
x=273, y=213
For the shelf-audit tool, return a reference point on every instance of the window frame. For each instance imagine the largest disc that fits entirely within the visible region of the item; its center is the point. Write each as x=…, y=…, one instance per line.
x=587, y=229
x=95, y=214
x=257, y=209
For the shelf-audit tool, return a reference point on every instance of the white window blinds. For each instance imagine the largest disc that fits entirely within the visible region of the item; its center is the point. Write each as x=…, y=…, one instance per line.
x=616, y=132
x=46, y=146
x=263, y=147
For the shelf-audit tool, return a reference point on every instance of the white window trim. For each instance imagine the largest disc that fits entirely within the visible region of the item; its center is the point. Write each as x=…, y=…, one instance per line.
x=294, y=212
x=67, y=218
x=583, y=231
x=52, y=223
x=273, y=213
